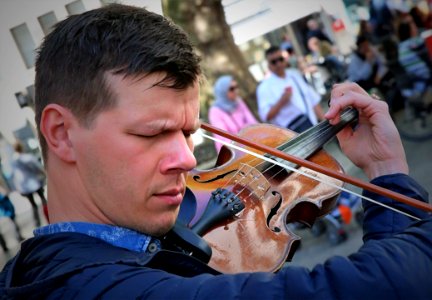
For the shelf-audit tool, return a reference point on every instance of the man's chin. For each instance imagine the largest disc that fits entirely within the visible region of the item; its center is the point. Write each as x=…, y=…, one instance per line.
x=162, y=230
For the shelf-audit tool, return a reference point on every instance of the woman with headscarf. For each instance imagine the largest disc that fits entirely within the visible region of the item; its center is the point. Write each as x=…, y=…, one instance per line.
x=229, y=112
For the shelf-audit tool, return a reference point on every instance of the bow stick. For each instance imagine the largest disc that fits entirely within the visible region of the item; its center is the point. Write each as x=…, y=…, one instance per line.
x=320, y=169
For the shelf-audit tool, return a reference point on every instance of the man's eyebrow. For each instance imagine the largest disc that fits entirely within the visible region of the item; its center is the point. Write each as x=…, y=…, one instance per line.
x=147, y=125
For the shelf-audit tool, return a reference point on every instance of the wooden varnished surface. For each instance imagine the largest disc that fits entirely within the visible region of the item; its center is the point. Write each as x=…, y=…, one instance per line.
x=251, y=241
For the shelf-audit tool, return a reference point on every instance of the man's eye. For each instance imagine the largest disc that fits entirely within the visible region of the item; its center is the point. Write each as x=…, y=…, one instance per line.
x=144, y=135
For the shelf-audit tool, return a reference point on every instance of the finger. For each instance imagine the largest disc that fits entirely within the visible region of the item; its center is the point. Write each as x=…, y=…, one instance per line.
x=344, y=95
x=341, y=88
x=357, y=99
x=376, y=97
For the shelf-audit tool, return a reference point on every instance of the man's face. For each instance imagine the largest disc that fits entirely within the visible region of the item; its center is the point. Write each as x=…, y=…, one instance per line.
x=134, y=158
x=364, y=48
x=276, y=62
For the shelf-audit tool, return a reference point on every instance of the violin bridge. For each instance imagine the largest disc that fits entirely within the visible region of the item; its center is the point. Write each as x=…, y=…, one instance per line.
x=252, y=179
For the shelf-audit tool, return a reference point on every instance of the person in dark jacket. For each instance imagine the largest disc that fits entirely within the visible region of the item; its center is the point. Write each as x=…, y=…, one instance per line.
x=117, y=154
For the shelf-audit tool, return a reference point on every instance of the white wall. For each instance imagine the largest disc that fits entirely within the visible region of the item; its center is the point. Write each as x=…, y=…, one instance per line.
x=267, y=15
x=253, y=18
x=14, y=76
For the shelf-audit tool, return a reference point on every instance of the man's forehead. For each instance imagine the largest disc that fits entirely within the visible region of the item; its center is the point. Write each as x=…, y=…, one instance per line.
x=274, y=54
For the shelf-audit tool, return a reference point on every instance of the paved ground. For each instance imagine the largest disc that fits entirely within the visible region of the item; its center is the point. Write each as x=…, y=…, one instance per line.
x=313, y=250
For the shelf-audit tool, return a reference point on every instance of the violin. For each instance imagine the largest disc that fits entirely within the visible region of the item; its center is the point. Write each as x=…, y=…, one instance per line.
x=244, y=204
x=238, y=211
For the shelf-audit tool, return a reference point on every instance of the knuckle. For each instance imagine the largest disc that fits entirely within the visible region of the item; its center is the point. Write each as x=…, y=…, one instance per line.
x=384, y=105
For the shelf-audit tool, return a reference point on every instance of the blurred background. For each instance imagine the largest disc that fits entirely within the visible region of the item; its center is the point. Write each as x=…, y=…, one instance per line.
x=231, y=37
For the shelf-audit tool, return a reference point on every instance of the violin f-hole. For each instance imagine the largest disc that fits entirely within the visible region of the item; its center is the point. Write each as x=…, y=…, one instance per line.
x=274, y=211
x=197, y=178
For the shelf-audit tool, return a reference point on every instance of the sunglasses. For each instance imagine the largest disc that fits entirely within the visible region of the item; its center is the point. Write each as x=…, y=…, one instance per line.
x=233, y=88
x=276, y=60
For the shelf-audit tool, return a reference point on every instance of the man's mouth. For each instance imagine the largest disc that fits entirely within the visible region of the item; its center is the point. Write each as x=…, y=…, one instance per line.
x=172, y=196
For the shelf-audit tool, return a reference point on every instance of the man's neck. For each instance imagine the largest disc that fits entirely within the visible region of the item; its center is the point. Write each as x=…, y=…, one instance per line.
x=67, y=199
x=281, y=74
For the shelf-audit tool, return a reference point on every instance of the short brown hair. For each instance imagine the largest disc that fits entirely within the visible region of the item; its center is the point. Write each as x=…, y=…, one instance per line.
x=75, y=57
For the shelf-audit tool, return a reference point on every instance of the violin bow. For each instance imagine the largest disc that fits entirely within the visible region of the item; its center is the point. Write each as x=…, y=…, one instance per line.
x=320, y=169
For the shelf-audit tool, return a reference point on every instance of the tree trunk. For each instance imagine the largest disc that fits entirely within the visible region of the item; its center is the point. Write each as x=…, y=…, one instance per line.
x=204, y=21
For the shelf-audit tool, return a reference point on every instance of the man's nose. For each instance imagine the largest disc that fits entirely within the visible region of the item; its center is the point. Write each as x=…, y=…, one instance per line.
x=180, y=157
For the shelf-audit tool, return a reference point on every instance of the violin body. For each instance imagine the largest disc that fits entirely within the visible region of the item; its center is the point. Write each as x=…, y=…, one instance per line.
x=257, y=237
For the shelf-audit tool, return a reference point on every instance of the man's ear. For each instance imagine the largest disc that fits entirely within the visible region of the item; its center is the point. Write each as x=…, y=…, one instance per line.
x=55, y=123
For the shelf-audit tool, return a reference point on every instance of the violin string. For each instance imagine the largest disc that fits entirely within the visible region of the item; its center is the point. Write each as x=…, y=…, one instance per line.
x=294, y=149
x=326, y=128
x=273, y=165
x=307, y=175
x=297, y=151
x=231, y=180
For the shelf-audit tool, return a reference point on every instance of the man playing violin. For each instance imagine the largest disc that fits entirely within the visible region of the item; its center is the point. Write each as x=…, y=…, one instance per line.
x=116, y=103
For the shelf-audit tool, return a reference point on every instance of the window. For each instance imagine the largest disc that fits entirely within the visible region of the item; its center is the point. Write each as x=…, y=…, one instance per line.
x=75, y=7
x=47, y=21
x=25, y=44
x=31, y=95
x=26, y=99
x=22, y=99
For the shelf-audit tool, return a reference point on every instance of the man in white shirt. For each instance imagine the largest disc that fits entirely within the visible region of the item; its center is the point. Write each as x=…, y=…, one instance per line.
x=284, y=97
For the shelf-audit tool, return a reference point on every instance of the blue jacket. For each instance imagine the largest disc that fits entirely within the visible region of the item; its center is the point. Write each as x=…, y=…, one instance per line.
x=395, y=262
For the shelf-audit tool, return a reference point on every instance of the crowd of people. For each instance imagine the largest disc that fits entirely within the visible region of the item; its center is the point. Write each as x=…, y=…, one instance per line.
x=391, y=56
x=113, y=198
x=390, y=59
x=27, y=178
